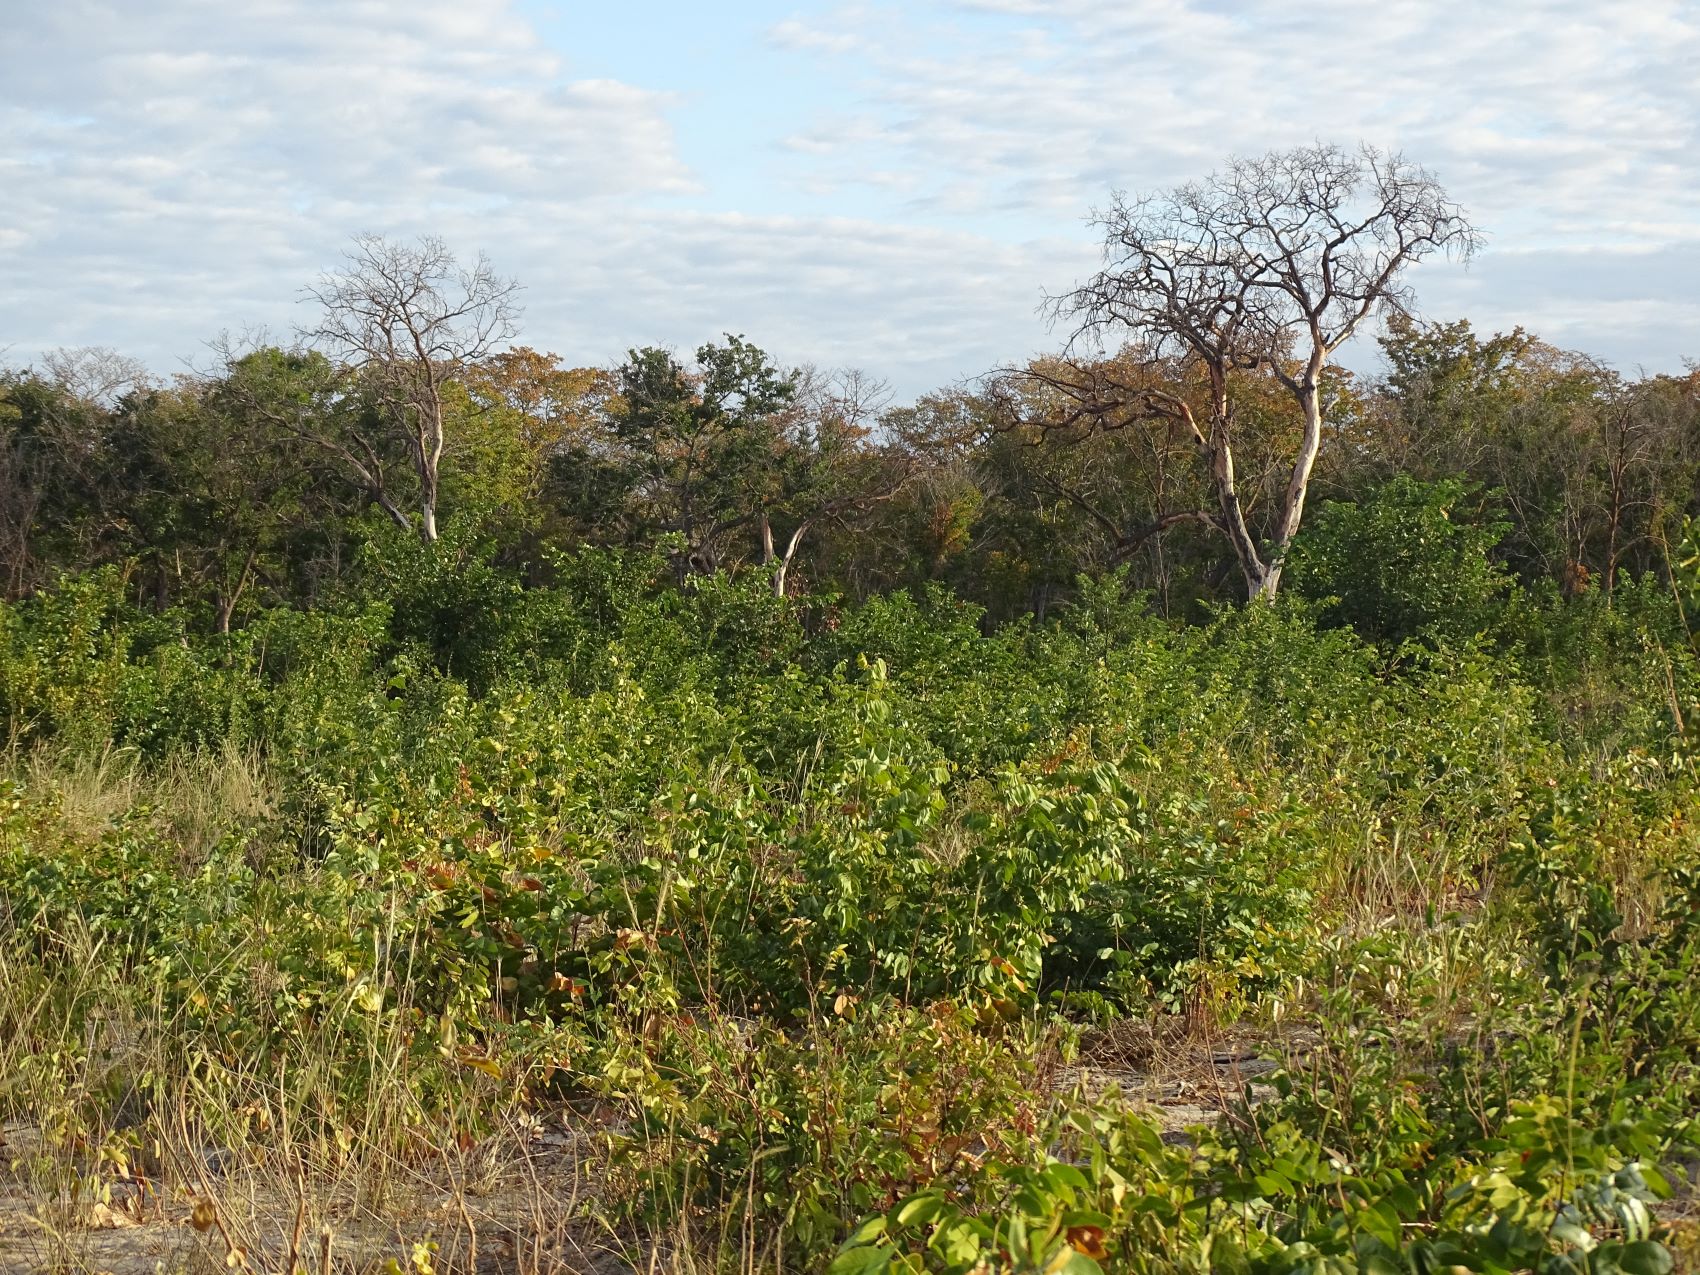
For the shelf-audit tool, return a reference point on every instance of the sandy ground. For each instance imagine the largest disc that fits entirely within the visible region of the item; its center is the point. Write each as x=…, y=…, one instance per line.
x=528, y=1215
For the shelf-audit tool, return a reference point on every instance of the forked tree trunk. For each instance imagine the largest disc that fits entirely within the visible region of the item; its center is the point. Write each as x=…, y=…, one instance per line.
x=781, y=576
x=227, y=602
x=1262, y=566
x=1260, y=580
x=770, y=555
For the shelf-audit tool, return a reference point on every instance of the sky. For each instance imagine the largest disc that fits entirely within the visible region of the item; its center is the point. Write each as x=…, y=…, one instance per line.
x=888, y=187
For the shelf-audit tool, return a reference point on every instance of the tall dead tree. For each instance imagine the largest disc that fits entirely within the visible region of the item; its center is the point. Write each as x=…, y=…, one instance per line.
x=410, y=319
x=1267, y=266
x=96, y=374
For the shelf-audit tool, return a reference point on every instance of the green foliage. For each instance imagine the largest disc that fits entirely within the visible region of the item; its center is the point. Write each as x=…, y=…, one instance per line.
x=1602, y=661
x=1542, y=1194
x=1447, y=1111
x=1408, y=560
x=799, y=1130
x=800, y=897
x=764, y=784
x=79, y=664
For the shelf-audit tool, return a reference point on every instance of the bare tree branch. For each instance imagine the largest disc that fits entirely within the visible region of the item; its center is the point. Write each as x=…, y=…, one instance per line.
x=410, y=318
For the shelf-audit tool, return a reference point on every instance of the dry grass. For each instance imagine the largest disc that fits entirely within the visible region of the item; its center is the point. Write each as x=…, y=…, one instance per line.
x=196, y=799
x=129, y=1143
x=124, y=1150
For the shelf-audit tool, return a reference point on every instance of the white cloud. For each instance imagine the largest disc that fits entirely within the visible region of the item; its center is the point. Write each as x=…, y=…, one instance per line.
x=179, y=167
x=203, y=160
x=1566, y=106
x=1560, y=124
x=796, y=34
x=921, y=305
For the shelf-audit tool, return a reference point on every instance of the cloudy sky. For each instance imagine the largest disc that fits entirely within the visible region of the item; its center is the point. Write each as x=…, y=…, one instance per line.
x=892, y=187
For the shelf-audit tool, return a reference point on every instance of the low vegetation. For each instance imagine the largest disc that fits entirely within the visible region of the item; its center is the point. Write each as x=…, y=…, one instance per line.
x=803, y=942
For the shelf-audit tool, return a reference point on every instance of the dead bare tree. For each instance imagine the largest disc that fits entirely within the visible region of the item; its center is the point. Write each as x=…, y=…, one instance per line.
x=96, y=374
x=1268, y=266
x=410, y=318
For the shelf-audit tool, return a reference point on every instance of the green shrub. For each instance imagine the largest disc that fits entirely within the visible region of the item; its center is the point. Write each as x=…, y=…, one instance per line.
x=1410, y=560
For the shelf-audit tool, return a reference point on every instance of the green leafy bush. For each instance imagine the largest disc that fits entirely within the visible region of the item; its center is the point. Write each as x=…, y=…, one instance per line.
x=1410, y=559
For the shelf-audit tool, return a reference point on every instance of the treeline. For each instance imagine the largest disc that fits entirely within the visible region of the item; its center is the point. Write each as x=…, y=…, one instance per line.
x=262, y=483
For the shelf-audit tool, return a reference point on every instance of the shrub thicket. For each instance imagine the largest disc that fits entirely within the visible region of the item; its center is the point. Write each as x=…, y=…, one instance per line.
x=805, y=908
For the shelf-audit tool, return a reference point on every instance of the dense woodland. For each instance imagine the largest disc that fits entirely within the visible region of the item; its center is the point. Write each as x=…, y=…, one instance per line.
x=280, y=481
x=465, y=810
